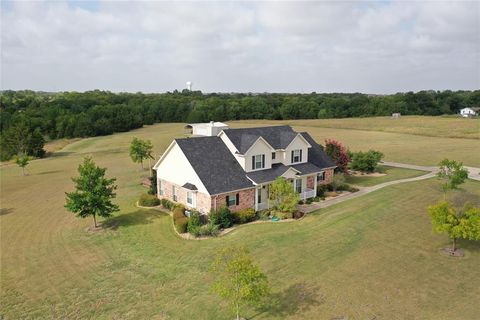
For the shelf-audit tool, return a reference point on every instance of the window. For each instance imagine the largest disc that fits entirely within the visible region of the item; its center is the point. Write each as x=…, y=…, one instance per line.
x=258, y=161
x=296, y=156
x=298, y=185
x=233, y=200
x=321, y=176
x=190, y=198
x=174, y=193
x=160, y=187
x=273, y=155
x=259, y=195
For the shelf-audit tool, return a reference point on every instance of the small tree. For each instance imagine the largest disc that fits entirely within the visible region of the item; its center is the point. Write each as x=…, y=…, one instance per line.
x=366, y=161
x=238, y=279
x=22, y=161
x=456, y=223
x=453, y=174
x=93, y=192
x=338, y=180
x=282, y=195
x=141, y=150
x=338, y=153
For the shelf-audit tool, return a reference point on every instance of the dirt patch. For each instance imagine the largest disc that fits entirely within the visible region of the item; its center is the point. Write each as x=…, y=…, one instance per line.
x=365, y=174
x=449, y=252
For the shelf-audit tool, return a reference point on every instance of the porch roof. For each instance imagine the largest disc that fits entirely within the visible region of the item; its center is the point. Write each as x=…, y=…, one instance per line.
x=279, y=169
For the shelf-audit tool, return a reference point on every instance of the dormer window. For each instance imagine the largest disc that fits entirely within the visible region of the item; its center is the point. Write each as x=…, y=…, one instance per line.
x=296, y=156
x=258, y=161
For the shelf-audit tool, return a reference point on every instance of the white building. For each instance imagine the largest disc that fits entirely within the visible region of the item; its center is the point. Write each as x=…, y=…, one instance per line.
x=209, y=129
x=469, y=112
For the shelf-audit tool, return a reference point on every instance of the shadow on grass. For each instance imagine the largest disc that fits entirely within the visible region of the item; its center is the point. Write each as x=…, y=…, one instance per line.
x=49, y=172
x=58, y=154
x=138, y=217
x=5, y=211
x=297, y=298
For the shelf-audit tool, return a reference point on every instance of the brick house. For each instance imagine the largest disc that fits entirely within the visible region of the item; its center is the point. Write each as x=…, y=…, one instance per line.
x=236, y=167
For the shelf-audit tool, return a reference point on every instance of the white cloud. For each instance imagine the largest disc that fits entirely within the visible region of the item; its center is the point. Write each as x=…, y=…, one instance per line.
x=241, y=46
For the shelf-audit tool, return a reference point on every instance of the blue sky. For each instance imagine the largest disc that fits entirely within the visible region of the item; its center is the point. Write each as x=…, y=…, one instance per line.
x=372, y=47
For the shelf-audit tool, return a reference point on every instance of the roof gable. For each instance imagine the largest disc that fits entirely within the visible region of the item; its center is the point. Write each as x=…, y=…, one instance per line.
x=316, y=155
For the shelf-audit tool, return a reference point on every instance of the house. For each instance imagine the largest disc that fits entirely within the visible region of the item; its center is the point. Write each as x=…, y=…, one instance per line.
x=469, y=112
x=236, y=167
x=396, y=115
x=206, y=129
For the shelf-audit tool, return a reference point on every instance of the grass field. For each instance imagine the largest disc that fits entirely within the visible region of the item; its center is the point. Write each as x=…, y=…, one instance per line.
x=391, y=174
x=370, y=257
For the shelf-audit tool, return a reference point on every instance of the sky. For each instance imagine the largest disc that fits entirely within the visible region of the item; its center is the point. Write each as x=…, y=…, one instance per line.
x=370, y=47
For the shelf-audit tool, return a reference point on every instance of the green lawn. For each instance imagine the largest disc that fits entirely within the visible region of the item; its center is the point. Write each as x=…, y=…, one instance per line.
x=391, y=174
x=374, y=256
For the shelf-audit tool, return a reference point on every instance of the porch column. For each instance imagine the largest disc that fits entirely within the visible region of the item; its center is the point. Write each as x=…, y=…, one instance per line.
x=315, y=184
x=256, y=199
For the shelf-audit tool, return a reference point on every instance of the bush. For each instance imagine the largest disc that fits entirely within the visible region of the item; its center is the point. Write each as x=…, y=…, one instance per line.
x=321, y=190
x=193, y=222
x=222, y=217
x=181, y=224
x=153, y=183
x=337, y=181
x=309, y=201
x=283, y=215
x=244, y=216
x=263, y=215
x=178, y=213
x=167, y=204
x=208, y=230
x=148, y=200
x=366, y=161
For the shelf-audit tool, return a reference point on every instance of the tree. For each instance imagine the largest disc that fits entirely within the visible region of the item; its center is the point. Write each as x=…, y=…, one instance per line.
x=452, y=173
x=338, y=153
x=93, y=192
x=366, y=161
x=282, y=195
x=457, y=224
x=337, y=181
x=237, y=278
x=22, y=161
x=141, y=150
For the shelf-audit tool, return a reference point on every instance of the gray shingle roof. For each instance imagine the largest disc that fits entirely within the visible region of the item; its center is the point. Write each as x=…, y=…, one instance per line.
x=278, y=169
x=214, y=164
x=316, y=155
x=279, y=137
x=190, y=186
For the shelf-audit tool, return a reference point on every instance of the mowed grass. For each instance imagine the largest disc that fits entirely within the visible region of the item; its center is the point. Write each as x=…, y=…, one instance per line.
x=398, y=147
x=374, y=256
x=391, y=173
x=446, y=126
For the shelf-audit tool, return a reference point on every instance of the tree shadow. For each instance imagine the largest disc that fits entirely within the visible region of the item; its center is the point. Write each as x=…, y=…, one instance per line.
x=5, y=211
x=297, y=298
x=58, y=154
x=49, y=172
x=138, y=217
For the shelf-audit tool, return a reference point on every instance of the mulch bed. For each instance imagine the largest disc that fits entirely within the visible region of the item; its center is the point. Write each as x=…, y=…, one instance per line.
x=449, y=252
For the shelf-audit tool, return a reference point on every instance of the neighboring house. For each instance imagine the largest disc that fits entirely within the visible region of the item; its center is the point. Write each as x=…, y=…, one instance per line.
x=469, y=112
x=206, y=129
x=236, y=167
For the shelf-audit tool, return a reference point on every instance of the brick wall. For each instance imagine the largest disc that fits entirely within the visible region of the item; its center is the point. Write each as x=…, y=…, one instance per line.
x=328, y=177
x=311, y=182
x=247, y=200
x=203, y=203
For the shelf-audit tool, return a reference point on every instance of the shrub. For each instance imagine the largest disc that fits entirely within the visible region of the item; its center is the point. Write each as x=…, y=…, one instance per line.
x=167, y=204
x=263, y=215
x=244, y=216
x=148, y=200
x=321, y=190
x=181, y=224
x=366, y=161
x=337, y=181
x=309, y=201
x=298, y=215
x=283, y=215
x=193, y=222
x=222, y=217
x=153, y=183
x=353, y=189
x=207, y=230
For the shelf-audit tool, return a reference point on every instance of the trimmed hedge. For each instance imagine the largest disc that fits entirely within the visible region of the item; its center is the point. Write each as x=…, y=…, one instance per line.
x=167, y=204
x=244, y=216
x=181, y=224
x=148, y=200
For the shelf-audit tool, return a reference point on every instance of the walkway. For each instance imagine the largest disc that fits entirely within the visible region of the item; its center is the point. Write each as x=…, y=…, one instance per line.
x=474, y=173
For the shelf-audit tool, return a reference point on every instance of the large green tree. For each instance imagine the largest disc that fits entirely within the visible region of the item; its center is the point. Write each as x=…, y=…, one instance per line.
x=237, y=279
x=93, y=192
x=282, y=196
x=141, y=150
x=452, y=173
x=458, y=224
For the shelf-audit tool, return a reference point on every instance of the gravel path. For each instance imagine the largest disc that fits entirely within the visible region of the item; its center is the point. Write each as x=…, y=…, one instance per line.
x=474, y=173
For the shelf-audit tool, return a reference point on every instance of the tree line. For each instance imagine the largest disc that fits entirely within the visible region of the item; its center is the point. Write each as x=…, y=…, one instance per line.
x=94, y=113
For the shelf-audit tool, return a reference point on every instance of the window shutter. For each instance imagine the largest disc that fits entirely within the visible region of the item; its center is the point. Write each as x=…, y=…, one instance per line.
x=292, y=157
x=227, y=199
x=237, y=200
x=263, y=161
x=253, y=162
x=301, y=155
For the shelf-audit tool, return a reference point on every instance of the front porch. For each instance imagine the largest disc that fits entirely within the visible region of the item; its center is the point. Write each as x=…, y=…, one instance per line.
x=305, y=186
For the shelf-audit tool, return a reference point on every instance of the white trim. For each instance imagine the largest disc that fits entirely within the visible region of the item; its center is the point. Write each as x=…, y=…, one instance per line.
x=165, y=154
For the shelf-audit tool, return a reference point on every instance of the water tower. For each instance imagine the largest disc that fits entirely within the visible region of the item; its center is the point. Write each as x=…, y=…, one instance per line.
x=189, y=85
